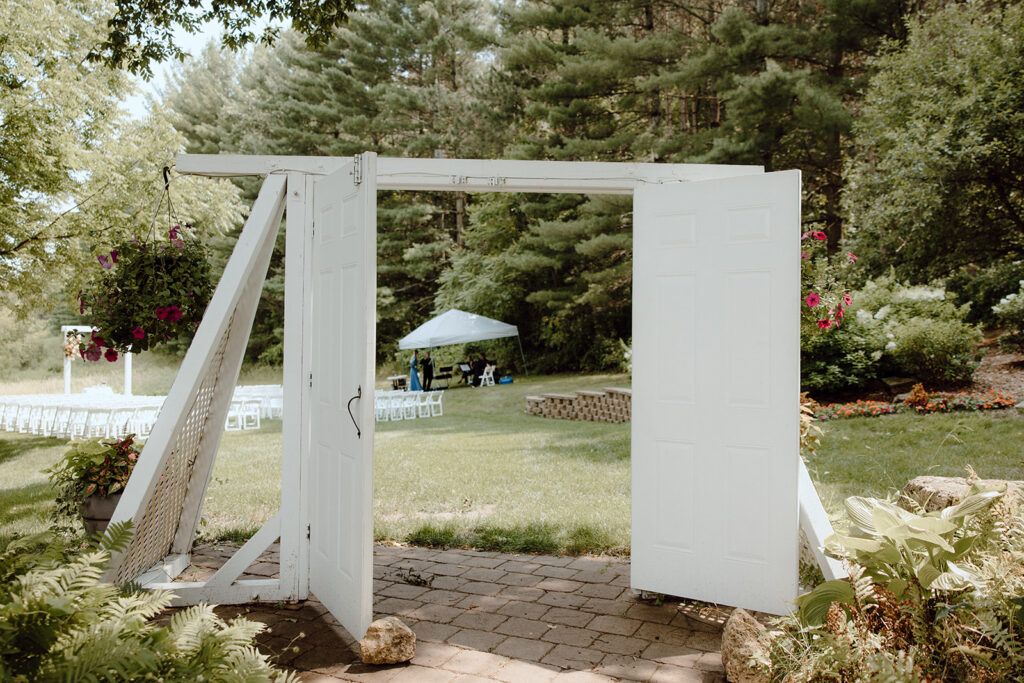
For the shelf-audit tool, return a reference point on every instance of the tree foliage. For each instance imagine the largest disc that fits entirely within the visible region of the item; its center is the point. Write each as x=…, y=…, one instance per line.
x=141, y=32
x=938, y=178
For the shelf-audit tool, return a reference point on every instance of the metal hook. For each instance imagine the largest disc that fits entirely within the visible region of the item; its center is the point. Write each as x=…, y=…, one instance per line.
x=167, y=177
x=359, y=394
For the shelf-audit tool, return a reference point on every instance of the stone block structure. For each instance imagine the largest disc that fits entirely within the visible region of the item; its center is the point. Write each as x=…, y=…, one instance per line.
x=610, y=405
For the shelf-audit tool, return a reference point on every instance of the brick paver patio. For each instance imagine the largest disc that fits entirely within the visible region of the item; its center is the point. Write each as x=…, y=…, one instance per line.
x=481, y=616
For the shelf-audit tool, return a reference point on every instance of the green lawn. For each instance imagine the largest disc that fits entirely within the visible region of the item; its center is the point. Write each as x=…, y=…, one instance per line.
x=488, y=475
x=874, y=456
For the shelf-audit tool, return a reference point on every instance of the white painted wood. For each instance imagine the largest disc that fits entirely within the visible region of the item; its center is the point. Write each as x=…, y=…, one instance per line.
x=247, y=554
x=341, y=444
x=240, y=592
x=167, y=570
x=816, y=526
x=473, y=175
x=716, y=390
x=294, y=428
x=127, y=374
x=231, y=364
x=264, y=218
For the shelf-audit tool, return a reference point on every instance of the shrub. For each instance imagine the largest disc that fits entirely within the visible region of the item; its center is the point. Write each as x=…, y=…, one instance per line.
x=932, y=596
x=842, y=358
x=60, y=622
x=1010, y=312
x=93, y=466
x=936, y=350
x=983, y=288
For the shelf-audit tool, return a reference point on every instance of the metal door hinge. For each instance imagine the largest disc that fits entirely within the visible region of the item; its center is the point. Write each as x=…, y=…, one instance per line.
x=357, y=171
x=307, y=532
x=311, y=380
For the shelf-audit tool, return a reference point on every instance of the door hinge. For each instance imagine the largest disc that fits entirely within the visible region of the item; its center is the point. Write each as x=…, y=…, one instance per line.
x=307, y=532
x=357, y=171
x=311, y=380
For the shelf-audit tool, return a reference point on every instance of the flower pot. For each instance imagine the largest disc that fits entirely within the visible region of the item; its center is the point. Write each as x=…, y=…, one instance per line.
x=97, y=511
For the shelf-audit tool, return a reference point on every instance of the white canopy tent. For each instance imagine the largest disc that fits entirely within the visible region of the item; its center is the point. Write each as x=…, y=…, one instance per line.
x=456, y=327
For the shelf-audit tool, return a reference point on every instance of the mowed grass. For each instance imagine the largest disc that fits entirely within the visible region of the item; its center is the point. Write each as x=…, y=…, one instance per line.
x=877, y=456
x=488, y=475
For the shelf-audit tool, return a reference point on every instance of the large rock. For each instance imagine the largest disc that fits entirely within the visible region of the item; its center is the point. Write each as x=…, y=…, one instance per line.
x=387, y=641
x=743, y=638
x=935, y=493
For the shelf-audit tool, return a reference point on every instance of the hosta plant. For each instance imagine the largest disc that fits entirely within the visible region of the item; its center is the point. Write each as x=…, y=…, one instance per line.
x=932, y=596
x=60, y=622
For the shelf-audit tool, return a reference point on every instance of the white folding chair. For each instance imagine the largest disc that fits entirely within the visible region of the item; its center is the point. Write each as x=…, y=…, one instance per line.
x=434, y=404
x=487, y=378
x=381, y=408
x=118, y=422
x=423, y=404
x=410, y=402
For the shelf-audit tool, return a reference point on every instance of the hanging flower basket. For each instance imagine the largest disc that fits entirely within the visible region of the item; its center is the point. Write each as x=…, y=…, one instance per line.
x=146, y=294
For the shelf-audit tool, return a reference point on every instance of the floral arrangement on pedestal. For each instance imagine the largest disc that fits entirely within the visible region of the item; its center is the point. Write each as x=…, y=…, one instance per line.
x=90, y=472
x=145, y=294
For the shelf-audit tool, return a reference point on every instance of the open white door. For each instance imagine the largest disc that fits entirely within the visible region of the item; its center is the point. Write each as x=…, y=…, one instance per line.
x=716, y=383
x=341, y=443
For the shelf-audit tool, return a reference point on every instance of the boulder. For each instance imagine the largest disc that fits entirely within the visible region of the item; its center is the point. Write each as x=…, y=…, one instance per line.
x=935, y=493
x=743, y=638
x=387, y=641
x=898, y=385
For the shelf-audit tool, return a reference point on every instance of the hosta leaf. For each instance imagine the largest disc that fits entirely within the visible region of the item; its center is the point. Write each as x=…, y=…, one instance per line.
x=926, y=574
x=859, y=511
x=884, y=520
x=852, y=544
x=971, y=504
x=814, y=606
x=898, y=587
x=939, y=526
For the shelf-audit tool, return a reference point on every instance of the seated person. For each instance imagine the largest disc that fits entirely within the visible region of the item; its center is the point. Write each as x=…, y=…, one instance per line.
x=479, y=365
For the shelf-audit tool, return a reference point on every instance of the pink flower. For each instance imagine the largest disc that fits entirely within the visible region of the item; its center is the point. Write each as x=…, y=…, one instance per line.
x=104, y=262
x=138, y=333
x=824, y=324
x=98, y=341
x=93, y=353
x=804, y=254
x=110, y=355
x=820, y=236
x=173, y=314
x=812, y=300
x=806, y=235
x=161, y=313
x=113, y=255
x=839, y=312
x=173, y=232
x=851, y=256
x=847, y=299
x=179, y=244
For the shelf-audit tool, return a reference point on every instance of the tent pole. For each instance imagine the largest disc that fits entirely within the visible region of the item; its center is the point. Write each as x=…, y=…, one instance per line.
x=521, y=354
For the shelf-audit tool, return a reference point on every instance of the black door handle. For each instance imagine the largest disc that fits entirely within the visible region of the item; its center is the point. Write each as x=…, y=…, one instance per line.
x=359, y=394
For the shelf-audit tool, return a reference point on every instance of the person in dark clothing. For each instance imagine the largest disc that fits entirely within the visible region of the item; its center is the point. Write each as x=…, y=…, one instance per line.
x=427, y=365
x=479, y=365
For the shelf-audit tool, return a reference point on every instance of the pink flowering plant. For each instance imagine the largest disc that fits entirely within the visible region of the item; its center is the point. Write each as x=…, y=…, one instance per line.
x=824, y=295
x=145, y=294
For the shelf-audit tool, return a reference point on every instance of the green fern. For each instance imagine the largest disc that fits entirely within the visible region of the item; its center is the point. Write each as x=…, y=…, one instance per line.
x=60, y=622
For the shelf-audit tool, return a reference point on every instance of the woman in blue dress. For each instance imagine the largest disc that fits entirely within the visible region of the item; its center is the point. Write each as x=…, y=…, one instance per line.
x=414, y=377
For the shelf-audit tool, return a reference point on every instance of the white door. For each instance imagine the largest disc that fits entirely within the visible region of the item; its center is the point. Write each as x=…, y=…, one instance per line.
x=716, y=337
x=341, y=443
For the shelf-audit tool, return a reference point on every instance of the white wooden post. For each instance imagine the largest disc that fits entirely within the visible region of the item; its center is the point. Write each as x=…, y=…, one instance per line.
x=128, y=374
x=67, y=373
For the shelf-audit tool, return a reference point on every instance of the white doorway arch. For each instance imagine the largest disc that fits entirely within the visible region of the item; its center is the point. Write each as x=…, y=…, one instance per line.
x=716, y=472
x=65, y=330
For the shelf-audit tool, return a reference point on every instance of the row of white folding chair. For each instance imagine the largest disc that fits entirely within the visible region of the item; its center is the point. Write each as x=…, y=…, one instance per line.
x=270, y=397
x=243, y=414
x=73, y=417
x=407, y=405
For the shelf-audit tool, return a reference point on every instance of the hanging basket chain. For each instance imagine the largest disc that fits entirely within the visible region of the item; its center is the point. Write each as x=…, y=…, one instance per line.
x=172, y=215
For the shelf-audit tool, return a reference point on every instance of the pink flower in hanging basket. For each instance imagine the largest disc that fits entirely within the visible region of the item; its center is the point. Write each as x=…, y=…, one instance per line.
x=173, y=314
x=98, y=341
x=93, y=353
x=113, y=255
x=812, y=300
x=104, y=261
x=161, y=313
x=824, y=324
x=847, y=299
x=110, y=355
x=820, y=236
x=138, y=333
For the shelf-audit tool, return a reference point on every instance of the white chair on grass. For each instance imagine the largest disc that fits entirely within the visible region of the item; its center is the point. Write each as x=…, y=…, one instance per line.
x=434, y=404
x=487, y=378
x=410, y=404
x=423, y=405
x=396, y=408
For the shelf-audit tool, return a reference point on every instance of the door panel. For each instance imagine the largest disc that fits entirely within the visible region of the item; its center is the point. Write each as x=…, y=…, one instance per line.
x=716, y=276
x=341, y=445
